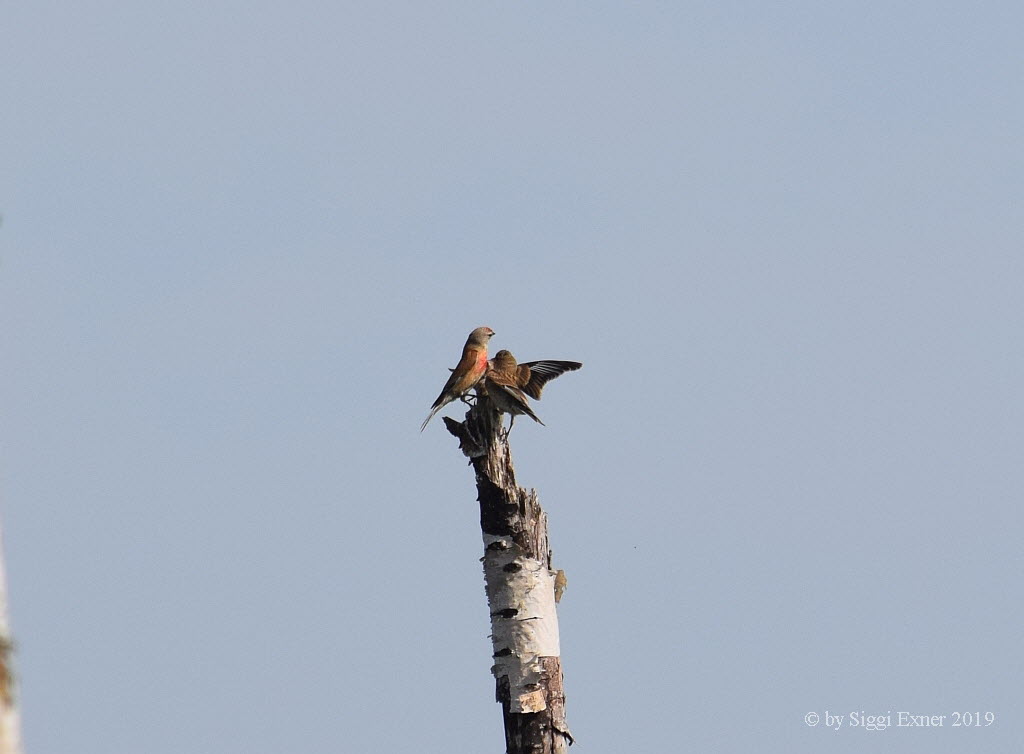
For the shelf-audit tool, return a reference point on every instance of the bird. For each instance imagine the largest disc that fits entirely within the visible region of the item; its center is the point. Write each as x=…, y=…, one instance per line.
x=503, y=384
x=531, y=376
x=467, y=373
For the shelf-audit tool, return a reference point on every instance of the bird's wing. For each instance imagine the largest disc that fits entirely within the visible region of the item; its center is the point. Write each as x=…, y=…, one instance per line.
x=543, y=371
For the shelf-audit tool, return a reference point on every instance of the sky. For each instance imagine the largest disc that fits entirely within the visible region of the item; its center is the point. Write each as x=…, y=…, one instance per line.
x=242, y=243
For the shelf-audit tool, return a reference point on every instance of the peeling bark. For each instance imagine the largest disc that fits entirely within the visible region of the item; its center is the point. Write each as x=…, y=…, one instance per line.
x=521, y=587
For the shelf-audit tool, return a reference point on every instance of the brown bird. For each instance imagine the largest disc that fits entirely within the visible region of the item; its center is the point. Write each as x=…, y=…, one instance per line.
x=467, y=372
x=503, y=387
x=532, y=376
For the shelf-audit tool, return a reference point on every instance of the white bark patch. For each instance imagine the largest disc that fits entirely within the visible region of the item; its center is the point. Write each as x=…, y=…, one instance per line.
x=524, y=624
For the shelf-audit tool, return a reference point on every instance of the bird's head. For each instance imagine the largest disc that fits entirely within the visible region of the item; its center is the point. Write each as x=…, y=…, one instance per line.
x=504, y=360
x=480, y=336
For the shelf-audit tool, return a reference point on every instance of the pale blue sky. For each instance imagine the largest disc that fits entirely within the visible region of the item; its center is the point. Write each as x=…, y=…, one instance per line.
x=243, y=242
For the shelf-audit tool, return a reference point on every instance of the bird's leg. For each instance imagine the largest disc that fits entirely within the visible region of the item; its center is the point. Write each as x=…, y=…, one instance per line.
x=511, y=421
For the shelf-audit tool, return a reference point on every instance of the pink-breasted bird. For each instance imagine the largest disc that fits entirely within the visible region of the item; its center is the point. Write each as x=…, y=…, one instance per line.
x=504, y=380
x=467, y=372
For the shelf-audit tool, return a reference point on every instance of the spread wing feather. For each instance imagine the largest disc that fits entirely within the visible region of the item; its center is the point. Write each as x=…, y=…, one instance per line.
x=541, y=372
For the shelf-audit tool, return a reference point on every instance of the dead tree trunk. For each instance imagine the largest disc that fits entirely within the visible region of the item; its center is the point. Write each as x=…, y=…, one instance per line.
x=520, y=588
x=10, y=724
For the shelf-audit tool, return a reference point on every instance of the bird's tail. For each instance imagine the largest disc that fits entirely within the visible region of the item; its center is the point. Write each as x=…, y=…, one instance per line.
x=431, y=416
x=518, y=400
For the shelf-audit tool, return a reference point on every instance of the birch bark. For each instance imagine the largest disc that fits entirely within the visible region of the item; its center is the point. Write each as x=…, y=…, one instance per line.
x=520, y=585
